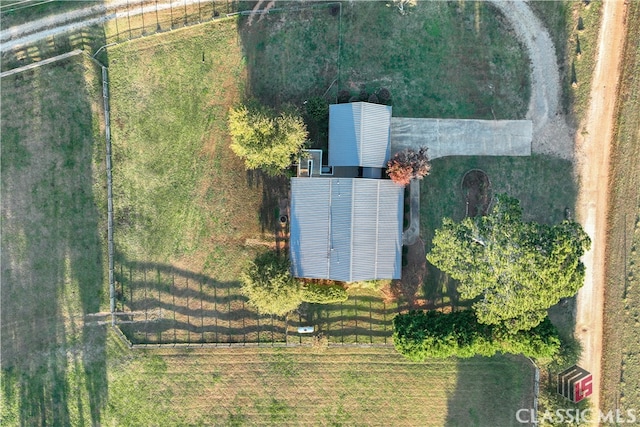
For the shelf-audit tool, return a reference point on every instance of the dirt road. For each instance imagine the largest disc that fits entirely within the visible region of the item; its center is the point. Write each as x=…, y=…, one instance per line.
x=593, y=141
x=37, y=30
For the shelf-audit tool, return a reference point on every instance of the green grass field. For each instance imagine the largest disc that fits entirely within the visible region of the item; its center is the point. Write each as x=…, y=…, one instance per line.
x=441, y=60
x=17, y=12
x=621, y=364
x=53, y=245
x=313, y=386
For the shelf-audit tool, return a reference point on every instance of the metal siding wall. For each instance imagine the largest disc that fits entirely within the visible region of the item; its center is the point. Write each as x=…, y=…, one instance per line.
x=389, y=218
x=351, y=222
x=374, y=144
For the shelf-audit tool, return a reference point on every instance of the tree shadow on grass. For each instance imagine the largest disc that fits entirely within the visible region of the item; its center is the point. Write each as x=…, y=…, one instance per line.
x=53, y=360
x=490, y=390
x=274, y=190
x=163, y=304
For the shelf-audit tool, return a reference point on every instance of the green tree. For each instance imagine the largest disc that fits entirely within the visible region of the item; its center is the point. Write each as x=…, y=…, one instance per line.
x=269, y=286
x=266, y=140
x=422, y=335
x=516, y=270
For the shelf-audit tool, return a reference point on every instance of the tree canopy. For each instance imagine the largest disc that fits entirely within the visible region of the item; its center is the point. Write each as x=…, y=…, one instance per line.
x=271, y=289
x=266, y=140
x=515, y=270
x=422, y=335
x=269, y=286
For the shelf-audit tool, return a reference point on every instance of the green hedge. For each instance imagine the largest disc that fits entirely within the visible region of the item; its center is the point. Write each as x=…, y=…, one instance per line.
x=320, y=294
x=432, y=334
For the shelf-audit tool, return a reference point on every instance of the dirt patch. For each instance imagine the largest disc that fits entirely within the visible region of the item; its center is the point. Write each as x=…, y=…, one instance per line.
x=413, y=271
x=477, y=190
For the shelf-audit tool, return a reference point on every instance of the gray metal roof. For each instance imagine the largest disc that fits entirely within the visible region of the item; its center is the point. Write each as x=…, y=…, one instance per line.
x=346, y=229
x=359, y=134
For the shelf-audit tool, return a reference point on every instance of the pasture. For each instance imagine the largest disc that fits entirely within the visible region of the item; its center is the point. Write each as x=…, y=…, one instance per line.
x=53, y=245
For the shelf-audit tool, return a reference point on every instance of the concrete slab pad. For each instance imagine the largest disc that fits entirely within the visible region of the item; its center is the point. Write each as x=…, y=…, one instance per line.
x=458, y=137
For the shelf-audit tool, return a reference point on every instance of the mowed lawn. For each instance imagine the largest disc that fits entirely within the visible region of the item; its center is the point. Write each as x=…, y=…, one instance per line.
x=53, y=246
x=443, y=59
x=315, y=386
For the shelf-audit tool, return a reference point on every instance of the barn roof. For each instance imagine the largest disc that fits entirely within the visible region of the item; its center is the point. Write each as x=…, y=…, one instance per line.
x=359, y=134
x=346, y=229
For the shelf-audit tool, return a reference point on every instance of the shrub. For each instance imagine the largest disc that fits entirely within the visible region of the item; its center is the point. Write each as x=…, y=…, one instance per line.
x=364, y=95
x=317, y=108
x=407, y=165
x=343, y=96
x=323, y=294
x=374, y=99
x=580, y=24
x=384, y=95
x=432, y=334
x=269, y=286
x=354, y=99
x=374, y=285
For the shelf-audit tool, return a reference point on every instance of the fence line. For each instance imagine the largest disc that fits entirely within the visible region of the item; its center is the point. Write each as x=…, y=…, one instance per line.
x=107, y=134
x=275, y=344
x=41, y=63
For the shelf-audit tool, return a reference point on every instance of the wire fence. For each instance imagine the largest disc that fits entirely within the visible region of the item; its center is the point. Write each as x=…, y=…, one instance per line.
x=139, y=18
x=160, y=304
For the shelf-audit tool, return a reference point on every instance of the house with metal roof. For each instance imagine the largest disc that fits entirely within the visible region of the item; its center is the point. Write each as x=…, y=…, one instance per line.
x=359, y=134
x=346, y=229
x=345, y=225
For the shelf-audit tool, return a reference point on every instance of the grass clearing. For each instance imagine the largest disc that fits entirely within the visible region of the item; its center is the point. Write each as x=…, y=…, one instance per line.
x=17, y=12
x=465, y=64
x=179, y=192
x=53, y=246
x=314, y=386
x=621, y=363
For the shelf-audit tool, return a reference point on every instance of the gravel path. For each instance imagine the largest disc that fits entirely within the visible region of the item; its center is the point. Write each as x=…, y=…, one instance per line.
x=551, y=134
